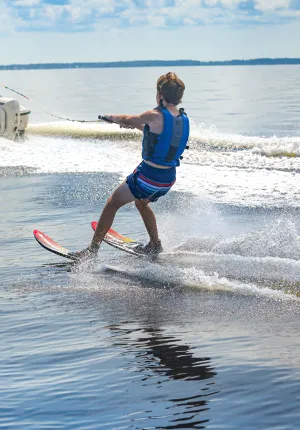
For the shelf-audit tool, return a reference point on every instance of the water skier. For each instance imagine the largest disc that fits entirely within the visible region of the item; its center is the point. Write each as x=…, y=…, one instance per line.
x=165, y=136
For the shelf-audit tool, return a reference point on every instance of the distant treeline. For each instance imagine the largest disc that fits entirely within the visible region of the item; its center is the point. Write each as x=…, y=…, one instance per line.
x=152, y=63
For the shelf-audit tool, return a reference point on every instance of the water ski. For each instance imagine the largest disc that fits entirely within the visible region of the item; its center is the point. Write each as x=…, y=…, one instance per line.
x=112, y=238
x=121, y=242
x=49, y=244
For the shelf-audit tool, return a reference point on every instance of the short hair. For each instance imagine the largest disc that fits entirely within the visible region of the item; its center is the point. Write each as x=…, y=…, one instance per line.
x=171, y=88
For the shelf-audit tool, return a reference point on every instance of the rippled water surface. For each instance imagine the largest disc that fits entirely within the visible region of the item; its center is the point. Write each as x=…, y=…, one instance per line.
x=207, y=335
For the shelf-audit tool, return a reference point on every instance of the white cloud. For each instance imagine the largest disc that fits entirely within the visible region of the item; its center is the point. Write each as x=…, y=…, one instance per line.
x=225, y=3
x=7, y=20
x=188, y=21
x=265, y=5
x=26, y=2
x=52, y=13
x=90, y=14
x=99, y=6
x=155, y=4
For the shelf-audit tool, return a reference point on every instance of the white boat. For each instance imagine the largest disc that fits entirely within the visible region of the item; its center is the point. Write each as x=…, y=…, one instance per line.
x=13, y=119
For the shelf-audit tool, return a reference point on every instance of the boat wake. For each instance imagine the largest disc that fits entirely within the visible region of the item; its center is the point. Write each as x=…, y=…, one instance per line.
x=171, y=276
x=202, y=137
x=260, y=263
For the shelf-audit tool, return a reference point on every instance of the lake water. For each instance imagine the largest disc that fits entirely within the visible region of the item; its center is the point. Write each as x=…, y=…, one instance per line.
x=207, y=336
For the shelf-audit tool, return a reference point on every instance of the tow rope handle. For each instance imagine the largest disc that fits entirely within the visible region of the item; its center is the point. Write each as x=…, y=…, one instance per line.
x=104, y=118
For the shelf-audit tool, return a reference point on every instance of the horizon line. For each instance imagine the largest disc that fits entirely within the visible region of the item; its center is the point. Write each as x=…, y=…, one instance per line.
x=152, y=63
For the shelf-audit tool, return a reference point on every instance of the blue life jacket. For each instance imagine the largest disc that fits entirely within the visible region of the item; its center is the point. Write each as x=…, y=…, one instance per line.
x=166, y=148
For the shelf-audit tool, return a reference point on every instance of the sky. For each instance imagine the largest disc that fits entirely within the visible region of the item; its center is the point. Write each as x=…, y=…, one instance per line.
x=40, y=31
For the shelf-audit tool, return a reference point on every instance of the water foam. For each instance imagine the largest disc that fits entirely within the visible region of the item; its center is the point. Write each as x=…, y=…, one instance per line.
x=232, y=177
x=82, y=130
x=49, y=155
x=196, y=278
x=279, y=239
x=287, y=147
x=213, y=140
x=202, y=136
x=271, y=253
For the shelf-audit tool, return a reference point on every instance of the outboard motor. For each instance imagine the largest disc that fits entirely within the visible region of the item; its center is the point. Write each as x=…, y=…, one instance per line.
x=9, y=118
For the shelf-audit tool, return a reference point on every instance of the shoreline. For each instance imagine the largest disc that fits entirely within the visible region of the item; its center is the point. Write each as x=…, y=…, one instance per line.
x=152, y=63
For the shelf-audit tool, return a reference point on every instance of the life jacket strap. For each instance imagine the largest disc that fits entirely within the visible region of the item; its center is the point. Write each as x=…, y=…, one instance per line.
x=150, y=140
x=176, y=136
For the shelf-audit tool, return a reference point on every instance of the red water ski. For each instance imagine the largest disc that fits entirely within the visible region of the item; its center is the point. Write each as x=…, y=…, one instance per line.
x=49, y=244
x=121, y=242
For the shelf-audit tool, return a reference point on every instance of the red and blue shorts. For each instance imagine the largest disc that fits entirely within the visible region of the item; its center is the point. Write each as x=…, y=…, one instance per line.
x=147, y=182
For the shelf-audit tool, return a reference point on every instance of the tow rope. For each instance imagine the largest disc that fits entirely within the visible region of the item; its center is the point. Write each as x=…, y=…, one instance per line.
x=100, y=117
